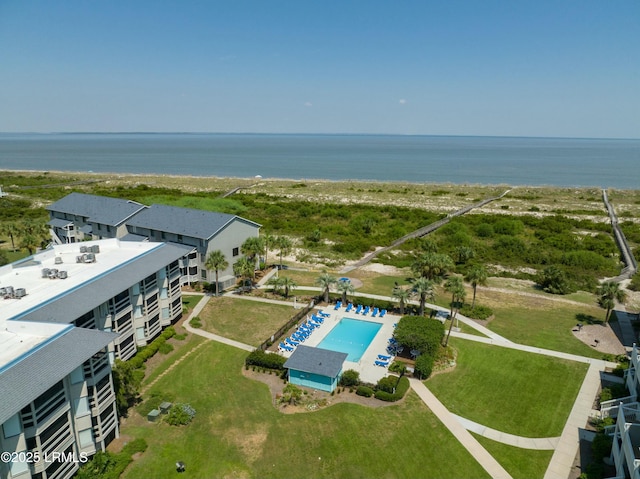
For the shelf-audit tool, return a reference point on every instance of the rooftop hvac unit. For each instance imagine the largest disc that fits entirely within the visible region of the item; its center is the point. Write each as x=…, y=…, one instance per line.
x=95, y=249
x=53, y=273
x=20, y=293
x=3, y=291
x=58, y=260
x=89, y=258
x=79, y=259
x=62, y=274
x=83, y=249
x=45, y=272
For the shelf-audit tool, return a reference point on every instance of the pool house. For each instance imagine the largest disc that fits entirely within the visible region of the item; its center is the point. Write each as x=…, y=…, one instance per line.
x=315, y=368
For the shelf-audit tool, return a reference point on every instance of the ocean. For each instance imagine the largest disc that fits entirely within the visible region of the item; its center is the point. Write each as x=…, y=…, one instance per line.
x=565, y=162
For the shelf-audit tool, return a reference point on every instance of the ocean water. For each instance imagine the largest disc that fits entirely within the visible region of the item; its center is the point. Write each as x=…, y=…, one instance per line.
x=419, y=159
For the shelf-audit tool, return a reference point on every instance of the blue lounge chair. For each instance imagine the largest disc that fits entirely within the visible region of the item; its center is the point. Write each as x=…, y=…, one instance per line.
x=313, y=320
x=382, y=357
x=349, y=307
x=317, y=319
x=323, y=314
x=298, y=337
x=393, y=341
x=383, y=312
x=384, y=364
x=375, y=312
x=358, y=309
x=291, y=342
x=366, y=310
x=284, y=347
x=338, y=304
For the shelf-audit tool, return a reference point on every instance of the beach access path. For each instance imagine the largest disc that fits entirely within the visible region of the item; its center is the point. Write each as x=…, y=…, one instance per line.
x=565, y=447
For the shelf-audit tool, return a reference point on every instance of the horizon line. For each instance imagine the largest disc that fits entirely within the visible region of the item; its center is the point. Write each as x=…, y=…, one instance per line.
x=249, y=133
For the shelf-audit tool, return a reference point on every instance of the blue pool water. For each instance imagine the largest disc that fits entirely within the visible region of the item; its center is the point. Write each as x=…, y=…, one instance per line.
x=351, y=336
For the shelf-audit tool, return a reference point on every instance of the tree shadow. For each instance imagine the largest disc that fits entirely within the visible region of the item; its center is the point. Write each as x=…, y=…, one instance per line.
x=588, y=319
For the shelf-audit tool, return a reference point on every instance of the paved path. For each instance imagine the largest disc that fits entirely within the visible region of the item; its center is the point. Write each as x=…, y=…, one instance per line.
x=537, y=443
x=566, y=446
x=480, y=454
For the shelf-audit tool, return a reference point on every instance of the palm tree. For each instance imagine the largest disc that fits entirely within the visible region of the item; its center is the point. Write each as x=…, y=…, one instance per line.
x=432, y=266
x=403, y=295
x=284, y=244
x=455, y=286
x=252, y=248
x=287, y=284
x=269, y=243
x=325, y=281
x=11, y=229
x=345, y=287
x=29, y=242
x=464, y=254
x=477, y=275
x=245, y=268
x=423, y=287
x=276, y=283
x=609, y=294
x=216, y=261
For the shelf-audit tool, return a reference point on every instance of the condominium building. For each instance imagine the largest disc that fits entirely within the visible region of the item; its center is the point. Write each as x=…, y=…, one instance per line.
x=66, y=313
x=78, y=217
x=57, y=403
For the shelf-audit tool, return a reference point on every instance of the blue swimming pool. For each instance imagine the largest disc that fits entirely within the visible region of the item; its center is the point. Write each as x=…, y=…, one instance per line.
x=351, y=336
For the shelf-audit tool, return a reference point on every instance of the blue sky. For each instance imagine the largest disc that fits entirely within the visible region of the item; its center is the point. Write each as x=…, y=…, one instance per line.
x=516, y=68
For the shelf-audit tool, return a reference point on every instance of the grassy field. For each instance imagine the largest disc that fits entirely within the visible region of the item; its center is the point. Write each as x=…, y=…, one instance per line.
x=520, y=463
x=247, y=321
x=238, y=433
x=512, y=391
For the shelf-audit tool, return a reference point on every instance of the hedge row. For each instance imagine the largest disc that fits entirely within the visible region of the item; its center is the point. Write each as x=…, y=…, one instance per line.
x=401, y=390
x=147, y=352
x=106, y=465
x=265, y=360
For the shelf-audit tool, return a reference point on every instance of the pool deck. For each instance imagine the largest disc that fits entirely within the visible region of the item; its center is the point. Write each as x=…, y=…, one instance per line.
x=369, y=372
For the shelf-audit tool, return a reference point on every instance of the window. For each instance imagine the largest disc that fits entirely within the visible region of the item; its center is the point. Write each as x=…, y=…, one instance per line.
x=18, y=467
x=137, y=313
x=108, y=229
x=179, y=238
x=12, y=427
x=140, y=333
x=236, y=251
x=203, y=273
x=165, y=313
x=77, y=376
x=164, y=294
x=86, y=438
x=163, y=235
x=81, y=406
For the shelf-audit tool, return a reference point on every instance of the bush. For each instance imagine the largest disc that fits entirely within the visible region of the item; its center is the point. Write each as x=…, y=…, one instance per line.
x=423, y=367
x=196, y=322
x=401, y=390
x=424, y=335
x=180, y=414
x=398, y=367
x=265, y=360
x=350, y=378
x=478, y=312
x=364, y=391
x=387, y=384
x=601, y=445
x=165, y=348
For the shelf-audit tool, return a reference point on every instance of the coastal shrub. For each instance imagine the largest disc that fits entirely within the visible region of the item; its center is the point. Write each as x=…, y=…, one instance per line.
x=107, y=465
x=478, y=312
x=364, y=391
x=387, y=384
x=423, y=367
x=350, y=378
x=180, y=414
x=196, y=322
x=165, y=348
x=415, y=332
x=554, y=280
x=401, y=390
x=263, y=359
x=398, y=367
x=601, y=445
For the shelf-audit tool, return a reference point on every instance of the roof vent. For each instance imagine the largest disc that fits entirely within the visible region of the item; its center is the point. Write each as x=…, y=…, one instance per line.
x=83, y=249
x=62, y=274
x=45, y=272
x=58, y=260
x=20, y=293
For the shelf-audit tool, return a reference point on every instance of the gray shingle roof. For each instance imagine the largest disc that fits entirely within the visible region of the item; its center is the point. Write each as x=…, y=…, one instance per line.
x=316, y=361
x=24, y=381
x=67, y=307
x=184, y=221
x=99, y=209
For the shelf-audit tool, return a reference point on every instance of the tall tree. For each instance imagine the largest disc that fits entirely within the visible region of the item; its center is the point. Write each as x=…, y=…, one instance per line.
x=269, y=244
x=252, y=248
x=216, y=261
x=345, y=287
x=464, y=254
x=477, y=275
x=29, y=242
x=423, y=288
x=325, y=281
x=403, y=295
x=285, y=245
x=455, y=286
x=608, y=294
x=11, y=229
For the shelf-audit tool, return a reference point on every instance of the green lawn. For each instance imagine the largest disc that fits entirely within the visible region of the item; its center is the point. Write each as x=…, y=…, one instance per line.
x=512, y=391
x=250, y=322
x=238, y=433
x=189, y=301
x=520, y=463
